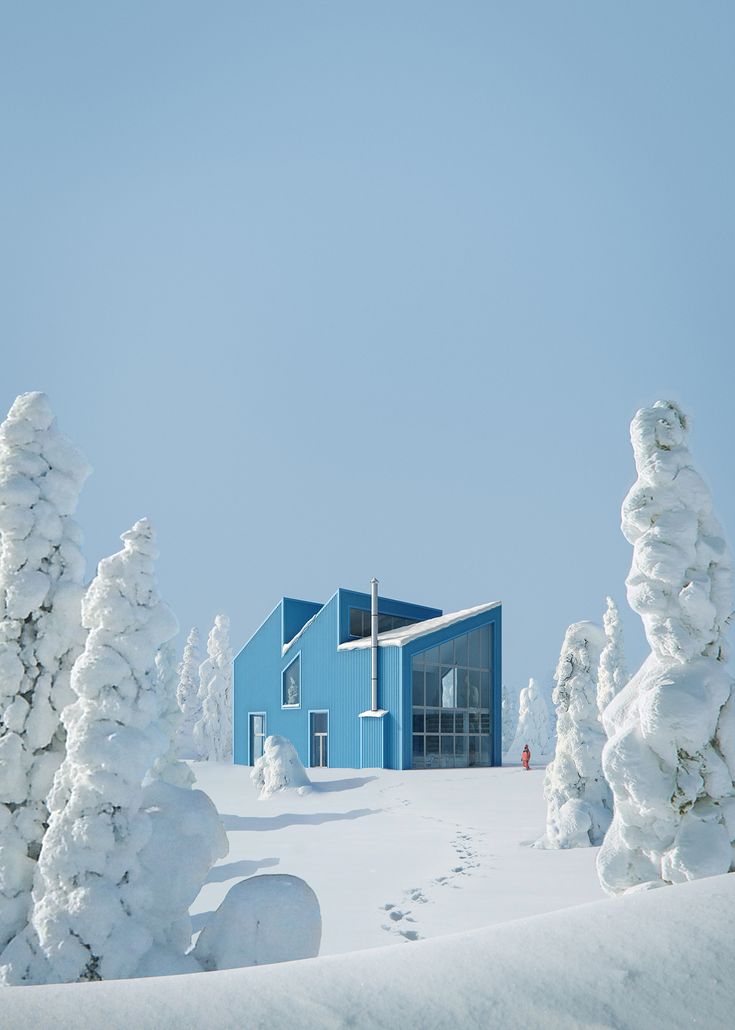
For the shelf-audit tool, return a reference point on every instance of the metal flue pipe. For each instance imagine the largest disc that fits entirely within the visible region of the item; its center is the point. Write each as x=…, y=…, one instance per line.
x=374, y=642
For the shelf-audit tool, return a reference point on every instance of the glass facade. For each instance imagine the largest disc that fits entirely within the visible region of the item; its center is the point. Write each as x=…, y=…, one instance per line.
x=291, y=684
x=360, y=622
x=452, y=702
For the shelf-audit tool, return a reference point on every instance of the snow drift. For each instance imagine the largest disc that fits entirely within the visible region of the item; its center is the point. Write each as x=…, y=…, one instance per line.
x=659, y=959
x=264, y=919
x=670, y=758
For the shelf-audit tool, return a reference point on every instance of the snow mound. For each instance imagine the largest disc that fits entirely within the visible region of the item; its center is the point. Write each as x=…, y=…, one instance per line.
x=279, y=768
x=653, y=959
x=264, y=919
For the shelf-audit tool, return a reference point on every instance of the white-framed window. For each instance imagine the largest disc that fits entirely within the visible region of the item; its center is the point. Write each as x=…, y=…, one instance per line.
x=291, y=684
x=257, y=735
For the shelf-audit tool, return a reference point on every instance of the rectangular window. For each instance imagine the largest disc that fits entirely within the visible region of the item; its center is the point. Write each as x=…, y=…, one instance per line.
x=291, y=684
x=360, y=622
x=257, y=736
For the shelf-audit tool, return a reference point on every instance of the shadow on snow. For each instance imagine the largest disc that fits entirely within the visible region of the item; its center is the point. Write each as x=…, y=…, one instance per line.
x=278, y=822
x=245, y=867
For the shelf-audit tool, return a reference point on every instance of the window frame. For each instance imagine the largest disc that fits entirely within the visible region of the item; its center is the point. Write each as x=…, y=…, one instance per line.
x=291, y=707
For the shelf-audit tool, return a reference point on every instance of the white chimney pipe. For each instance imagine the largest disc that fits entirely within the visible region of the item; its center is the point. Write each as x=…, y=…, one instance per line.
x=374, y=642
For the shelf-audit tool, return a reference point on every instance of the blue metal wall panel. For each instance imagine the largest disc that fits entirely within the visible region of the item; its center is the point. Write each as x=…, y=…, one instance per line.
x=339, y=682
x=295, y=615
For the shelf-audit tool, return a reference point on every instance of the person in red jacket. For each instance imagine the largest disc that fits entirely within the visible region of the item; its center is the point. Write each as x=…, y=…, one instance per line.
x=526, y=757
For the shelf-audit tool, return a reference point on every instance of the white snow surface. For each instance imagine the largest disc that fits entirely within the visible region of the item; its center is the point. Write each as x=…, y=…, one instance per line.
x=279, y=768
x=534, y=727
x=579, y=802
x=670, y=757
x=41, y=635
x=402, y=635
x=658, y=959
x=263, y=919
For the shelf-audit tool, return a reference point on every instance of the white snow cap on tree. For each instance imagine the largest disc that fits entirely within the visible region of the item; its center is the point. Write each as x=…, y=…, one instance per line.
x=187, y=692
x=613, y=674
x=510, y=717
x=213, y=731
x=184, y=824
x=41, y=635
x=92, y=896
x=279, y=768
x=670, y=757
x=579, y=802
x=534, y=723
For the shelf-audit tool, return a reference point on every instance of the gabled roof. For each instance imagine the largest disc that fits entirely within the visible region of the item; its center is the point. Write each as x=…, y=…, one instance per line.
x=399, y=637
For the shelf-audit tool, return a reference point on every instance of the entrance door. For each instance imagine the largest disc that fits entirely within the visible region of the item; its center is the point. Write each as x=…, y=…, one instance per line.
x=257, y=736
x=319, y=729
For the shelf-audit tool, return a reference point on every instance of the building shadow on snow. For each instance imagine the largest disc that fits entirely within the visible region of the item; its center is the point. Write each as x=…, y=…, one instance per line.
x=330, y=785
x=245, y=867
x=279, y=822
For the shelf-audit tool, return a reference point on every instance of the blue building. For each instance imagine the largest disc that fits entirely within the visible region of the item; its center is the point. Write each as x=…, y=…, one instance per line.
x=424, y=691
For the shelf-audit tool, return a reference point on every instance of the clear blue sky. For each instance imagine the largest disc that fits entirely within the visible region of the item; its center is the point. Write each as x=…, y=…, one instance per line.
x=334, y=290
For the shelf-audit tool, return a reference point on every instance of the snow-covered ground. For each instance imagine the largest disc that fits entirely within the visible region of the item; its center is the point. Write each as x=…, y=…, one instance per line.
x=399, y=855
x=436, y=854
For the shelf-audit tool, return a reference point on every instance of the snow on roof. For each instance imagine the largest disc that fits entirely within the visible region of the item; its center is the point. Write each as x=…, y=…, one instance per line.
x=401, y=636
x=287, y=646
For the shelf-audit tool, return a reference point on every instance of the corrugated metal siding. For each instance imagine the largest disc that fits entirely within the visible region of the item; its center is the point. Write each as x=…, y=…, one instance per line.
x=331, y=680
x=339, y=682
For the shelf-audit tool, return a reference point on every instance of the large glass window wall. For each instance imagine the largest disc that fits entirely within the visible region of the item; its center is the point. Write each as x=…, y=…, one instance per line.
x=452, y=703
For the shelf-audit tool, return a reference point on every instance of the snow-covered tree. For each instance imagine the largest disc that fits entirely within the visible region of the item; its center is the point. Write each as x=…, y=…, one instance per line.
x=168, y=766
x=92, y=895
x=613, y=674
x=279, y=768
x=213, y=731
x=510, y=717
x=41, y=635
x=578, y=800
x=187, y=692
x=670, y=756
x=184, y=823
x=534, y=723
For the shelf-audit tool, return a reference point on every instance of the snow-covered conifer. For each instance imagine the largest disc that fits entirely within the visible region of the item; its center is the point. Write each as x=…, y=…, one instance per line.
x=613, y=674
x=579, y=802
x=279, y=768
x=510, y=717
x=534, y=724
x=184, y=824
x=187, y=692
x=92, y=896
x=41, y=635
x=213, y=731
x=168, y=766
x=670, y=756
